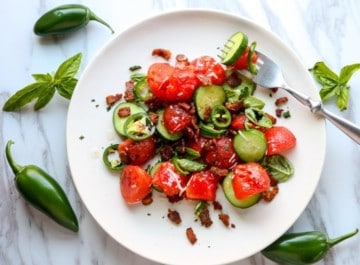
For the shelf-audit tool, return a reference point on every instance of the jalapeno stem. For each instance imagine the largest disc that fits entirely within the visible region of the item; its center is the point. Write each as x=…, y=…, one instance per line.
x=16, y=168
x=334, y=241
x=93, y=16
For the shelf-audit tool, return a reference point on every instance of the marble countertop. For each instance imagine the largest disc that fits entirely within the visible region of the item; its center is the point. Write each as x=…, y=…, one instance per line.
x=316, y=30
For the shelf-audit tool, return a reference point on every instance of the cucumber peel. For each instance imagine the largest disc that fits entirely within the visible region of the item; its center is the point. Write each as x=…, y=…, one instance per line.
x=233, y=48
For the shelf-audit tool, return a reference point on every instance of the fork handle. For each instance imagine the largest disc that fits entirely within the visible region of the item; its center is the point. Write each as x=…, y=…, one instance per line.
x=349, y=128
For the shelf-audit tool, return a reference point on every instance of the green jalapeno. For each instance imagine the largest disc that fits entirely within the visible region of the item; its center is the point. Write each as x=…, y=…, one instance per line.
x=220, y=116
x=43, y=192
x=112, y=164
x=65, y=19
x=251, y=64
x=138, y=127
x=302, y=248
x=142, y=90
x=209, y=130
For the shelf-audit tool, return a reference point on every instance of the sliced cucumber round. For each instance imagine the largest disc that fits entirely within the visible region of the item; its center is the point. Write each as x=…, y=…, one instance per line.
x=250, y=145
x=230, y=194
x=161, y=129
x=234, y=48
x=206, y=97
x=119, y=122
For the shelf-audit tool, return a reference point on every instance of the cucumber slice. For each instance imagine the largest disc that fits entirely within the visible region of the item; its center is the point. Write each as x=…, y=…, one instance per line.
x=230, y=194
x=206, y=97
x=233, y=48
x=250, y=145
x=161, y=129
x=119, y=122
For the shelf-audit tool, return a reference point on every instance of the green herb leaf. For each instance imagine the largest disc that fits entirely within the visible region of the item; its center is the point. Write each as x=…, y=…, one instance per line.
x=334, y=85
x=68, y=68
x=22, y=97
x=343, y=98
x=323, y=74
x=278, y=167
x=66, y=87
x=347, y=72
x=45, y=86
x=47, y=93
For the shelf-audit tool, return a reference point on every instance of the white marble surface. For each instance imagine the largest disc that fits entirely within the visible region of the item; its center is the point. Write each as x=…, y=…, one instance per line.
x=325, y=30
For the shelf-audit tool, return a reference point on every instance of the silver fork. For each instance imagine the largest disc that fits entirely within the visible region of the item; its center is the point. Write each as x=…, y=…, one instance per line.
x=269, y=75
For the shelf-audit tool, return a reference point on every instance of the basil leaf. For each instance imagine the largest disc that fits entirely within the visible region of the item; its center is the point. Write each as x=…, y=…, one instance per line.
x=343, y=98
x=47, y=93
x=66, y=87
x=347, y=71
x=22, y=97
x=278, y=167
x=68, y=68
x=327, y=92
x=323, y=74
x=42, y=78
x=189, y=165
x=258, y=117
x=253, y=102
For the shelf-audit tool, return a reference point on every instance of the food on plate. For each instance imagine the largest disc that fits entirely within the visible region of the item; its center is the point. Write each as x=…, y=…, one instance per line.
x=197, y=126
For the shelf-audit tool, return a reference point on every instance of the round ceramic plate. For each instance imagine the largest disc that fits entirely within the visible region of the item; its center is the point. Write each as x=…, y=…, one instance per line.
x=146, y=230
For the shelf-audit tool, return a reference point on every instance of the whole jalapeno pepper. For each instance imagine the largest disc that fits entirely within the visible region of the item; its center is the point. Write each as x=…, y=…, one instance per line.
x=43, y=192
x=302, y=248
x=65, y=19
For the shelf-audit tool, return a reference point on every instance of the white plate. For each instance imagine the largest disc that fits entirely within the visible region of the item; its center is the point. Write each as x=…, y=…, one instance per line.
x=146, y=230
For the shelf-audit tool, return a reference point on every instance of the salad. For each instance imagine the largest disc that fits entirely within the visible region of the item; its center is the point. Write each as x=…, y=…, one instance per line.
x=195, y=126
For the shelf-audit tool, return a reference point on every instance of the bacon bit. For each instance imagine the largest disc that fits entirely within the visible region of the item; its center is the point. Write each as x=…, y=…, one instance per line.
x=129, y=91
x=174, y=216
x=279, y=112
x=270, y=193
x=185, y=106
x=225, y=219
x=281, y=101
x=181, y=58
x=233, y=226
x=153, y=103
x=124, y=112
x=204, y=217
x=166, y=153
x=164, y=53
x=274, y=89
x=219, y=172
x=234, y=107
x=217, y=206
x=154, y=118
x=191, y=235
x=112, y=99
x=147, y=200
x=175, y=198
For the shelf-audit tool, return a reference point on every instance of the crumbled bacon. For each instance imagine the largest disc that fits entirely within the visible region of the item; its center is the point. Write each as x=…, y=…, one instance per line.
x=281, y=101
x=124, y=112
x=181, y=58
x=279, y=112
x=129, y=91
x=270, y=193
x=234, y=107
x=153, y=103
x=147, y=200
x=233, y=80
x=112, y=99
x=164, y=53
x=191, y=235
x=271, y=117
x=166, y=153
x=217, y=205
x=225, y=219
x=174, y=216
x=219, y=172
x=204, y=217
x=154, y=118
